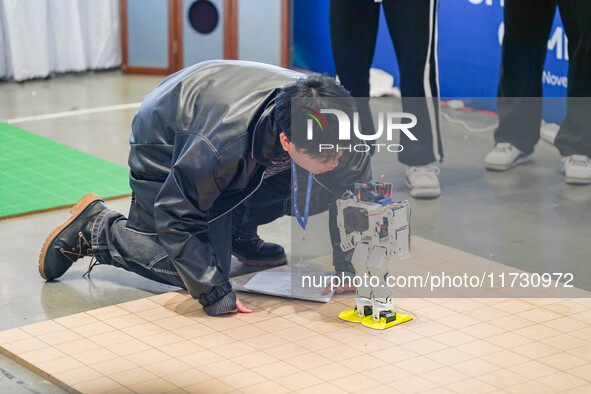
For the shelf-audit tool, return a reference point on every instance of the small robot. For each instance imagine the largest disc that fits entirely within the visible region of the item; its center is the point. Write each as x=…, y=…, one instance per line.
x=377, y=229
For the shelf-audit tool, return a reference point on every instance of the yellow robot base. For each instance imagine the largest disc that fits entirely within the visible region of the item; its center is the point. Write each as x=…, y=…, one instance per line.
x=350, y=315
x=382, y=324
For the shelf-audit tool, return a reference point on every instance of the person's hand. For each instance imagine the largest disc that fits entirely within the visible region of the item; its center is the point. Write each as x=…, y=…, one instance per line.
x=240, y=308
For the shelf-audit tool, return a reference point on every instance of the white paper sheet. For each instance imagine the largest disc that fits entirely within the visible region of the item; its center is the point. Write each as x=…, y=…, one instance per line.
x=279, y=284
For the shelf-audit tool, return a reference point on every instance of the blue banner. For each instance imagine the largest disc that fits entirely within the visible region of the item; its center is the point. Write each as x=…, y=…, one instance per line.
x=470, y=36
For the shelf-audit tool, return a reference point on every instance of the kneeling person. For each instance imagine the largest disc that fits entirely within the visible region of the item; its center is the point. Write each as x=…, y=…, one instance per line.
x=210, y=161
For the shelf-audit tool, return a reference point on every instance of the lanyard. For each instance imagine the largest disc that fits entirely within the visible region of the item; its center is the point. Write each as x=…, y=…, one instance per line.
x=298, y=216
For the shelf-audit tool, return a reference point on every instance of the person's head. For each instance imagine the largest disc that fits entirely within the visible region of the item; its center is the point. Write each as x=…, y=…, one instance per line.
x=312, y=93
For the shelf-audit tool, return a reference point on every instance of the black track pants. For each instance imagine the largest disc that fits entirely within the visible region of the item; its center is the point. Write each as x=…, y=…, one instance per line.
x=528, y=24
x=413, y=28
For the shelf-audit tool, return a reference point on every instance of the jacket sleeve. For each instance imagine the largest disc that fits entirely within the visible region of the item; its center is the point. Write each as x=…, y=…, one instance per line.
x=180, y=212
x=352, y=169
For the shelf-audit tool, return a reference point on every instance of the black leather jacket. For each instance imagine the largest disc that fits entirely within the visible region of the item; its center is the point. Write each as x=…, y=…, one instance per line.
x=199, y=146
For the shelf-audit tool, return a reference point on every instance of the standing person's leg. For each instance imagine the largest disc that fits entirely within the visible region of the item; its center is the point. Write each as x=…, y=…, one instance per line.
x=413, y=28
x=527, y=27
x=574, y=137
x=353, y=34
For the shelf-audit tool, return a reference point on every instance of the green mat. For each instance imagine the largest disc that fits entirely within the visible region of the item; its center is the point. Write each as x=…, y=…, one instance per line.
x=37, y=174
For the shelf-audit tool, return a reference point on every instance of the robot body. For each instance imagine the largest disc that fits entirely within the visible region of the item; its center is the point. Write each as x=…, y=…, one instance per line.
x=377, y=229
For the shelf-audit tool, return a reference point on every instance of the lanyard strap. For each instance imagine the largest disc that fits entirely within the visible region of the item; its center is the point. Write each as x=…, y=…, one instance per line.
x=302, y=221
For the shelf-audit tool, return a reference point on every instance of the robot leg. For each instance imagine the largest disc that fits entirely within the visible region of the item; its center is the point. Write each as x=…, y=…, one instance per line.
x=359, y=261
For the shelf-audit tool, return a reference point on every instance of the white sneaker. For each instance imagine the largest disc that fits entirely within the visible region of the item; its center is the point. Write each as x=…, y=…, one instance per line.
x=423, y=181
x=504, y=156
x=577, y=169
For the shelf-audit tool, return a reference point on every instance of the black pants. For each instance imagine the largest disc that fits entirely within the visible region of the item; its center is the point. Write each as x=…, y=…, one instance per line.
x=528, y=24
x=413, y=29
x=116, y=244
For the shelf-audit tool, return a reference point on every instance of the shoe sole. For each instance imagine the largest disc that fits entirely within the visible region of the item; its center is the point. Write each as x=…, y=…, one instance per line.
x=500, y=167
x=76, y=211
x=424, y=192
x=577, y=181
x=261, y=263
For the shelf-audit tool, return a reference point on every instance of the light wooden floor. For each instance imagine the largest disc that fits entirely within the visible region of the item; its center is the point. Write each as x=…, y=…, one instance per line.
x=166, y=343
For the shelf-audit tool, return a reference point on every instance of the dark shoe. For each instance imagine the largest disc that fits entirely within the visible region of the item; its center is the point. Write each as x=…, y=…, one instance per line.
x=70, y=241
x=257, y=253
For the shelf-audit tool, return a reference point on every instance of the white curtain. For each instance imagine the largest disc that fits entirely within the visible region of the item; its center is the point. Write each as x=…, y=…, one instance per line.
x=41, y=37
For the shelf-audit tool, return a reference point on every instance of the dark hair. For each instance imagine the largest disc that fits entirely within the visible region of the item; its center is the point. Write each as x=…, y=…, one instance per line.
x=314, y=91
